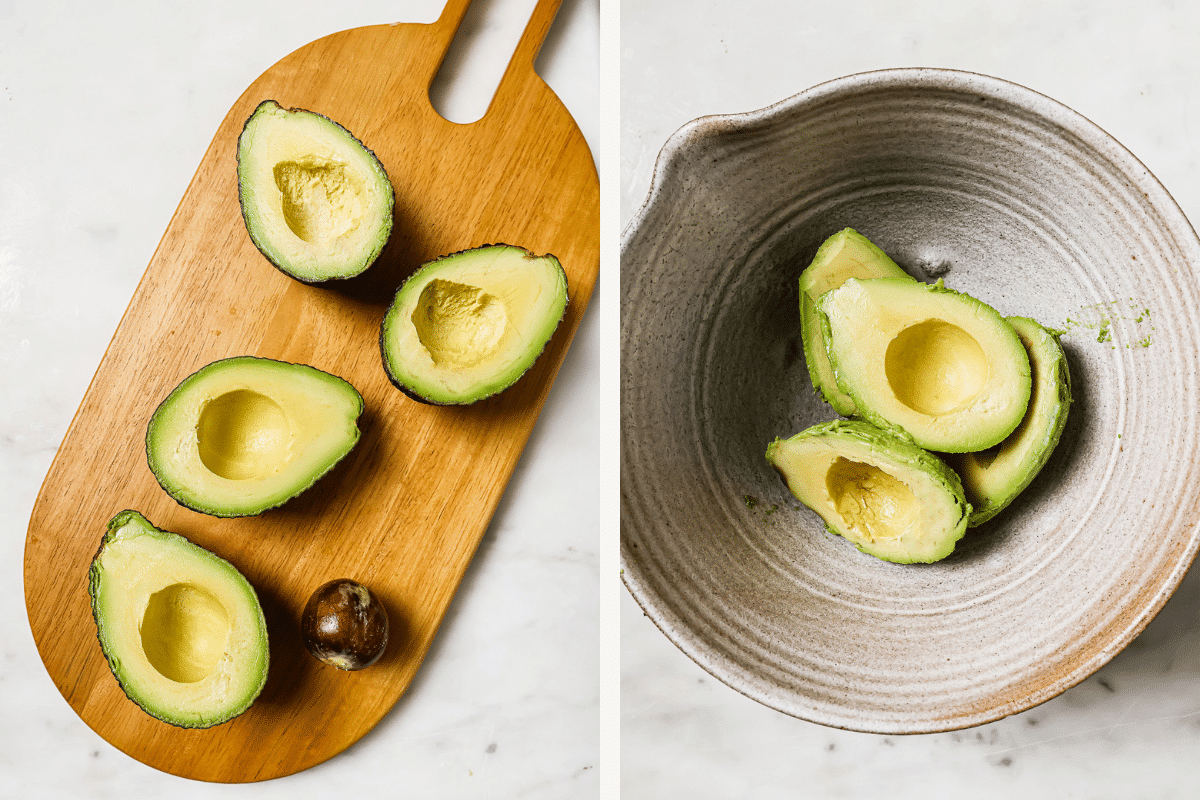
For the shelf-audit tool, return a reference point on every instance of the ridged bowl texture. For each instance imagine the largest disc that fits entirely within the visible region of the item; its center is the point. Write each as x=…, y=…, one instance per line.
x=1007, y=195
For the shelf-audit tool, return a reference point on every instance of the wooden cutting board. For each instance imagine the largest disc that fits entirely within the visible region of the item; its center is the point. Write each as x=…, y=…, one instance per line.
x=406, y=510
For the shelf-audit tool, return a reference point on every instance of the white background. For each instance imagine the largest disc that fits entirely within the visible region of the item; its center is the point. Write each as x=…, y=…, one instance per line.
x=106, y=110
x=1133, y=729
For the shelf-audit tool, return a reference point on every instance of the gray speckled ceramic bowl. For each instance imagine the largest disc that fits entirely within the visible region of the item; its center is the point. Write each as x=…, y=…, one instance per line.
x=1010, y=197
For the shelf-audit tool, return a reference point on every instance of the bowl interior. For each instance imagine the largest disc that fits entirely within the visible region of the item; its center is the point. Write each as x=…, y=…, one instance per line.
x=1009, y=197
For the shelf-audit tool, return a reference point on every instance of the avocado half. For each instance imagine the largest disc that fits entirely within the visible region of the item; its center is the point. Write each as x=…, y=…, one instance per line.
x=938, y=366
x=466, y=326
x=181, y=628
x=316, y=202
x=844, y=255
x=887, y=496
x=994, y=477
x=246, y=434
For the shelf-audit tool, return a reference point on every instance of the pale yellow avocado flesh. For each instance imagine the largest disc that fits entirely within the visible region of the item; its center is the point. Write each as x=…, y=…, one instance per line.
x=994, y=477
x=872, y=503
x=316, y=202
x=890, y=498
x=185, y=632
x=243, y=435
x=246, y=434
x=321, y=201
x=936, y=365
x=466, y=326
x=182, y=629
x=458, y=324
x=844, y=255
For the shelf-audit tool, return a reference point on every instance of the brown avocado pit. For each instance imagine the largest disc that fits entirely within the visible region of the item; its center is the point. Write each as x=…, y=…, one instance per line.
x=345, y=625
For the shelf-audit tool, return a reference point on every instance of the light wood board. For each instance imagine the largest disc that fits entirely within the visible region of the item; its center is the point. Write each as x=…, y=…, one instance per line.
x=405, y=511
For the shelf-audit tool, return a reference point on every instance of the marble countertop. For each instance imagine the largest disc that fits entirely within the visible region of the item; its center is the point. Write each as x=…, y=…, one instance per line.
x=105, y=112
x=1133, y=728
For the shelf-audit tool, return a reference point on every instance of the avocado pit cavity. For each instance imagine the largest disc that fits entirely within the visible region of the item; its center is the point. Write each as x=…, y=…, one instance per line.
x=243, y=434
x=322, y=201
x=935, y=367
x=875, y=504
x=185, y=630
x=460, y=325
x=885, y=494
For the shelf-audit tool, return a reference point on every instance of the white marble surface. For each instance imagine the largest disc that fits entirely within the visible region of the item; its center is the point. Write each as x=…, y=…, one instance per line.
x=1132, y=729
x=105, y=112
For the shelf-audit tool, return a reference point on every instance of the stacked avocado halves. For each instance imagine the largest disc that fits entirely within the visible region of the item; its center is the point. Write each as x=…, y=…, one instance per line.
x=956, y=408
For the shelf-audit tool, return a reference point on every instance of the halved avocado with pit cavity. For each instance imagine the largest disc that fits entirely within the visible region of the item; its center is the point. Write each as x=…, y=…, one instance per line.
x=316, y=202
x=994, y=477
x=466, y=326
x=890, y=498
x=245, y=434
x=181, y=628
x=934, y=364
x=844, y=255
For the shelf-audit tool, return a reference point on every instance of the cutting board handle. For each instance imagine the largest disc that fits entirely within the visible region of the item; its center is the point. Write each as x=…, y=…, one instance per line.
x=440, y=34
x=531, y=38
x=534, y=34
x=520, y=66
x=452, y=16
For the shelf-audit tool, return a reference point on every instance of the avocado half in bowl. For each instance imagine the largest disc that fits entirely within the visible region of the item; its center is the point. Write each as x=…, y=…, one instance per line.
x=1008, y=197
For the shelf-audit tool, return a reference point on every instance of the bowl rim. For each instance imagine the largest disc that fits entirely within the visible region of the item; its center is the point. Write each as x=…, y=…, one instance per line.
x=1052, y=111
x=714, y=125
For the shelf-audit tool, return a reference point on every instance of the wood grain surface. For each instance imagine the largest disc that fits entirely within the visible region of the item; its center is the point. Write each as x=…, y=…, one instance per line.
x=405, y=511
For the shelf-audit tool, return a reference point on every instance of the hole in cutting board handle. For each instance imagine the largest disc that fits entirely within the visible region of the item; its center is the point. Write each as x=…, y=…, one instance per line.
x=471, y=71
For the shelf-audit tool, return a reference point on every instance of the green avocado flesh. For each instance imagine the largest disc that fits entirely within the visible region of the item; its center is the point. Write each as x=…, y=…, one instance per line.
x=316, y=202
x=246, y=434
x=846, y=254
x=466, y=326
x=182, y=629
x=935, y=365
x=890, y=498
x=994, y=477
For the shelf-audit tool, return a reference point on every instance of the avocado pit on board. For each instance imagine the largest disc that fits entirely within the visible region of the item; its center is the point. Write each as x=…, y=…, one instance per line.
x=345, y=625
